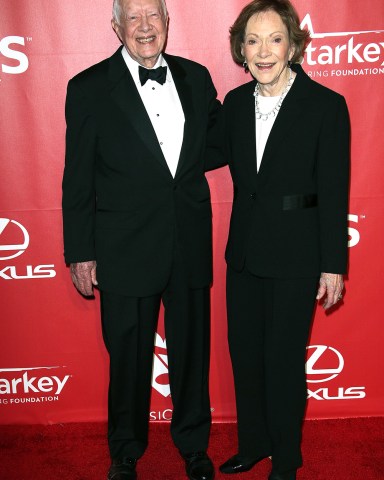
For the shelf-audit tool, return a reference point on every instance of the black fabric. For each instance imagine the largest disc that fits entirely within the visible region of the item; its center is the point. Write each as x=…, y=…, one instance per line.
x=151, y=236
x=268, y=327
x=158, y=74
x=289, y=219
x=292, y=202
x=129, y=326
x=121, y=205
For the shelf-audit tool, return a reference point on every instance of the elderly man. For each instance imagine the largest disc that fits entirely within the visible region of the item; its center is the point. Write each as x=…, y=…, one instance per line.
x=137, y=222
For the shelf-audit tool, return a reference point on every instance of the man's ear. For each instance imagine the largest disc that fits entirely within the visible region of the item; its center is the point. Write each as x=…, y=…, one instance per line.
x=116, y=29
x=167, y=23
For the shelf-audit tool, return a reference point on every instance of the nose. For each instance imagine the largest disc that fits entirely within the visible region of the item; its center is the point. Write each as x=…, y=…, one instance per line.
x=264, y=49
x=145, y=25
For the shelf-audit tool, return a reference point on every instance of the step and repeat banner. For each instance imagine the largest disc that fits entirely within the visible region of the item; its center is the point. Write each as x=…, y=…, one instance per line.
x=53, y=364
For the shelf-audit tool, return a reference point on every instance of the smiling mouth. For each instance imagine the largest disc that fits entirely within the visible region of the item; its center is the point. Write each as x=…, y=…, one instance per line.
x=146, y=40
x=264, y=65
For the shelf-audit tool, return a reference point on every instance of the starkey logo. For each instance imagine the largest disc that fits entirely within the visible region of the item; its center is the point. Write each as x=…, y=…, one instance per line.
x=359, y=52
x=31, y=384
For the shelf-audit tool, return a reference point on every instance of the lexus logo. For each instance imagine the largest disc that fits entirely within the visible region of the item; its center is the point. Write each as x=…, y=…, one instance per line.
x=323, y=364
x=10, y=230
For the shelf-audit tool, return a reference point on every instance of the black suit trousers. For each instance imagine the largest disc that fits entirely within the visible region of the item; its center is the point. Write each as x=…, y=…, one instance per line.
x=268, y=328
x=129, y=326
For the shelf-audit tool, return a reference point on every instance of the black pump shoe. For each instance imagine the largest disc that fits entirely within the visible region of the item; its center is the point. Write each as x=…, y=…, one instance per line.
x=238, y=464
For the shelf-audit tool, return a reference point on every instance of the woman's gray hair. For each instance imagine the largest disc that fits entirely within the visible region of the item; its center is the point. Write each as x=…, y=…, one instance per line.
x=118, y=10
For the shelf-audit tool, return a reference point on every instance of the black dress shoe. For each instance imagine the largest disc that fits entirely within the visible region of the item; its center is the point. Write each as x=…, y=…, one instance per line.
x=238, y=464
x=199, y=466
x=290, y=475
x=123, y=469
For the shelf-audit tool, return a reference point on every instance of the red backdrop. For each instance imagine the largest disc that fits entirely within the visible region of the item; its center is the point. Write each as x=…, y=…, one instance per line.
x=53, y=365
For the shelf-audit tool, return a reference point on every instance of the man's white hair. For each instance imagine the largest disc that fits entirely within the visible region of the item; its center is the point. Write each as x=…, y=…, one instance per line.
x=118, y=10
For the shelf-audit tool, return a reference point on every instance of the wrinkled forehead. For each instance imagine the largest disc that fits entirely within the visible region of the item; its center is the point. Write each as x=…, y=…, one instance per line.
x=143, y=5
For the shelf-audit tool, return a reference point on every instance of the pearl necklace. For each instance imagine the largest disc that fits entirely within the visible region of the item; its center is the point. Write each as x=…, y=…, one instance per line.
x=275, y=110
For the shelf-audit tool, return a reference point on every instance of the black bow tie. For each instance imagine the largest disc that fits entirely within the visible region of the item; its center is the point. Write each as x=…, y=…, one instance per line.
x=158, y=74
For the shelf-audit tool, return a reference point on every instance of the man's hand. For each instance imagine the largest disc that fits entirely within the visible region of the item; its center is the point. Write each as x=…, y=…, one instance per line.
x=331, y=285
x=84, y=277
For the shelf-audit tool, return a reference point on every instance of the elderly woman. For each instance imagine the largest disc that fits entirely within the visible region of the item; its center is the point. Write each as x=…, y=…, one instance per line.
x=286, y=140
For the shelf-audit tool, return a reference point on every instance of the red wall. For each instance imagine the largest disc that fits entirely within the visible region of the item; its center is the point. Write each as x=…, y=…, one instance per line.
x=53, y=365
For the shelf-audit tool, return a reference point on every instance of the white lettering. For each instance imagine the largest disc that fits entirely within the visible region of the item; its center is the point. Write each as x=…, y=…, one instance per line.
x=40, y=271
x=315, y=394
x=309, y=52
x=349, y=52
x=44, y=271
x=32, y=400
x=60, y=383
x=4, y=386
x=352, y=51
x=43, y=384
x=338, y=50
x=15, y=381
x=165, y=415
x=325, y=58
x=371, y=49
x=28, y=383
x=152, y=416
x=342, y=393
x=352, y=232
x=14, y=55
x=355, y=392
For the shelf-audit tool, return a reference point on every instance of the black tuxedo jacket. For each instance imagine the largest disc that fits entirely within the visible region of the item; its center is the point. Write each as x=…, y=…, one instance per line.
x=290, y=218
x=121, y=205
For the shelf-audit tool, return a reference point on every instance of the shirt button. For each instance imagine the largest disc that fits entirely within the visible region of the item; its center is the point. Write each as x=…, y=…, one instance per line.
x=253, y=196
x=161, y=143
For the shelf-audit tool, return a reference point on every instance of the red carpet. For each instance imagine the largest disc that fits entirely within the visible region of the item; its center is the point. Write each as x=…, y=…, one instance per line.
x=348, y=449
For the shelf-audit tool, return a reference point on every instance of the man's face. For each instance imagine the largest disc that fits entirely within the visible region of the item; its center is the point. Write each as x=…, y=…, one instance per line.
x=143, y=30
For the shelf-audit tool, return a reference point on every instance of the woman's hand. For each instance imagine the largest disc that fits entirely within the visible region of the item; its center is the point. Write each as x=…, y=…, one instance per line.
x=330, y=285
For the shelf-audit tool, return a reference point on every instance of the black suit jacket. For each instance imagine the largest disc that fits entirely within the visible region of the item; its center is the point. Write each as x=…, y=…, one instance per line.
x=121, y=205
x=290, y=218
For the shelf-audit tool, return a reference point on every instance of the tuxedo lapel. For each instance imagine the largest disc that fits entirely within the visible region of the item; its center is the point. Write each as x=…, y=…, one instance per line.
x=184, y=90
x=124, y=93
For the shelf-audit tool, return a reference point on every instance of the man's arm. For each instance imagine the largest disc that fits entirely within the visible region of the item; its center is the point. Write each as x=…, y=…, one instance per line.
x=78, y=182
x=78, y=191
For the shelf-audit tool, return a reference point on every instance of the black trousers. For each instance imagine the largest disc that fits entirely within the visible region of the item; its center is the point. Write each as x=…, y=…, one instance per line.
x=129, y=326
x=268, y=328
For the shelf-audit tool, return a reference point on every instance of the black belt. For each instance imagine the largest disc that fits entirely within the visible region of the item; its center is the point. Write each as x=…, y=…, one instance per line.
x=293, y=202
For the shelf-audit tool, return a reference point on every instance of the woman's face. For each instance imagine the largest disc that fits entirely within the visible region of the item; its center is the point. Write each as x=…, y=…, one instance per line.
x=267, y=50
